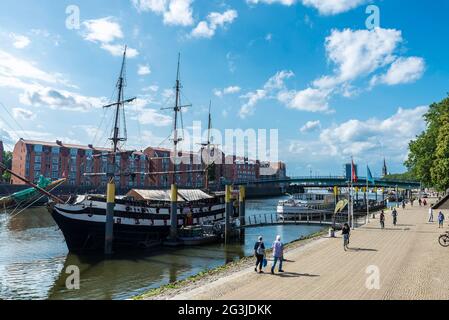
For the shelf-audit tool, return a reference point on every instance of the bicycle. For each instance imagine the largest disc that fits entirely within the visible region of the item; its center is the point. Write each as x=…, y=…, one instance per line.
x=443, y=240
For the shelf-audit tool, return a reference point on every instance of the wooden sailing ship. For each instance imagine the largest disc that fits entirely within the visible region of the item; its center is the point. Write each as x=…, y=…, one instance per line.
x=141, y=218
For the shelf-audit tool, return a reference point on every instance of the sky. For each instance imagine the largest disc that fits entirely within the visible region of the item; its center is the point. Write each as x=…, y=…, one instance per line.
x=335, y=82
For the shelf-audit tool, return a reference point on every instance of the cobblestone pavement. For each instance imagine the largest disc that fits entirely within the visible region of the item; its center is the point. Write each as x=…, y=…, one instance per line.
x=408, y=259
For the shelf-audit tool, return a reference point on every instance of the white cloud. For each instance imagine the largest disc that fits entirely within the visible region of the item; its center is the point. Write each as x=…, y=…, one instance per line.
x=333, y=7
x=253, y=98
x=324, y=7
x=311, y=126
x=152, y=88
x=14, y=67
x=355, y=55
x=310, y=99
x=146, y=115
x=117, y=50
x=207, y=29
x=104, y=30
x=269, y=90
x=403, y=70
x=360, y=52
x=284, y=2
x=23, y=114
x=20, y=41
x=143, y=70
x=40, y=96
x=362, y=138
x=174, y=12
x=226, y=91
x=367, y=141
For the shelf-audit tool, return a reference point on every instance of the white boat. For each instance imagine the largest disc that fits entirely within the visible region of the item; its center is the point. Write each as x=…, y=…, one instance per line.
x=307, y=203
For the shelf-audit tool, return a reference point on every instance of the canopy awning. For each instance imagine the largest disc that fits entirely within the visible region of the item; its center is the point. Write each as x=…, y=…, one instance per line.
x=165, y=195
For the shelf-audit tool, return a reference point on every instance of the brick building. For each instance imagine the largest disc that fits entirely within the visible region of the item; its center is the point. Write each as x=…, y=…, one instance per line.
x=241, y=169
x=56, y=160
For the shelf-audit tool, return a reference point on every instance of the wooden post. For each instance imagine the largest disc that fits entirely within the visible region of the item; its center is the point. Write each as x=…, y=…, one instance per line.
x=242, y=212
x=109, y=228
x=228, y=212
x=174, y=213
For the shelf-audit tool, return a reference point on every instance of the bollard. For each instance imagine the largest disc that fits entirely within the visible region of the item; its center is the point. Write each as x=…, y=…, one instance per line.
x=242, y=207
x=174, y=213
x=109, y=228
x=228, y=212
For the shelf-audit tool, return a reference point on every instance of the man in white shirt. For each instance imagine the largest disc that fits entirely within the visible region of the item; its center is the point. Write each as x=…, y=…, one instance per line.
x=430, y=215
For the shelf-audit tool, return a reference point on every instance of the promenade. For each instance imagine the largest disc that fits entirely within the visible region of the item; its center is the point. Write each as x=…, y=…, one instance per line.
x=411, y=265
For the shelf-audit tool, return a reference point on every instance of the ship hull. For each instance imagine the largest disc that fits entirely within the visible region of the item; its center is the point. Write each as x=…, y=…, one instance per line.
x=135, y=228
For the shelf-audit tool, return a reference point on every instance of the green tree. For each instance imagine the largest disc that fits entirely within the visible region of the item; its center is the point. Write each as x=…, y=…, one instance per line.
x=428, y=159
x=7, y=160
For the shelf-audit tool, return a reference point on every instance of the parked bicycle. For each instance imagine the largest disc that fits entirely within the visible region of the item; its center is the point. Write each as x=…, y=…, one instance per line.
x=444, y=239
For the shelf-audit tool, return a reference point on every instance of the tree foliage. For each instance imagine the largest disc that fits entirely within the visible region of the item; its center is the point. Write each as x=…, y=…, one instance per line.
x=7, y=160
x=428, y=159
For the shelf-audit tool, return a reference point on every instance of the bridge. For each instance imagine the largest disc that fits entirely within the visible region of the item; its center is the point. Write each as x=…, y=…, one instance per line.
x=313, y=218
x=333, y=181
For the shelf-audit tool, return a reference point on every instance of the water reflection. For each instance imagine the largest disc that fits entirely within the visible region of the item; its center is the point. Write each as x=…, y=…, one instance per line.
x=34, y=260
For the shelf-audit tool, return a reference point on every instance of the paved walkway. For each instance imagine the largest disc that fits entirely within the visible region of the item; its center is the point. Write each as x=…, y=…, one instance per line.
x=411, y=264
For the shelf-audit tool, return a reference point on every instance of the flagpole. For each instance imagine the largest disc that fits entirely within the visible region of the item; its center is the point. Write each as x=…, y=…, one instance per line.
x=367, y=197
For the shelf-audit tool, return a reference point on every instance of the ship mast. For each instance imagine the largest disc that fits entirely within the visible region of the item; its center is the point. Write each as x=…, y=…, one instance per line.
x=176, y=109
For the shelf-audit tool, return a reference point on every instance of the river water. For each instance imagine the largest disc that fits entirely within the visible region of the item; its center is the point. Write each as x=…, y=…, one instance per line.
x=34, y=259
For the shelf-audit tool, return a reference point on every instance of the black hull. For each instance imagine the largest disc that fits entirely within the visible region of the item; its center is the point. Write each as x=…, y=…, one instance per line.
x=85, y=236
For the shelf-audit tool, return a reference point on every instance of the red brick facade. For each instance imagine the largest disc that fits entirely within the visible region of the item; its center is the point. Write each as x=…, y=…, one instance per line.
x=56, y=160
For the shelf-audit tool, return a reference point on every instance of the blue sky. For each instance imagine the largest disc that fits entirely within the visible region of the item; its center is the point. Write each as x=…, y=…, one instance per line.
x=309, y=68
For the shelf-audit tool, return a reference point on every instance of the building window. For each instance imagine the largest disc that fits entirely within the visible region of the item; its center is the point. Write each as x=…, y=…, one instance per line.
x=55, y=150
x=38, y=148
x=37, y=159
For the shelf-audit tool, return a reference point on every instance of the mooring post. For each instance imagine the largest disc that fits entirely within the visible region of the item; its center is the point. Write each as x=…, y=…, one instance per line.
x=174, y=213
x=109, y=231
x=228, y=211
x=242, y=204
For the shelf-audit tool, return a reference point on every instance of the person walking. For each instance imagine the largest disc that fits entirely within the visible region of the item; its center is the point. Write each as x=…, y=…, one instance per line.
x=394, y=214
x=259, y=252
x=382, y=220
x=420, y=202
x=424, y=202
x=346, y=232
x=441, y=219
x=430, y=215
x=278, y=254
x=403, y=204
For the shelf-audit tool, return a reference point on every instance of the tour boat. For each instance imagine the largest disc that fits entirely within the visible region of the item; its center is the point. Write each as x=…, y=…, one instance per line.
x=305, y=203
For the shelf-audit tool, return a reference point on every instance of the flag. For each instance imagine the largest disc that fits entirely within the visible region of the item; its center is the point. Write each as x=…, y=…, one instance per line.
x=354, y=177
x=369, y=176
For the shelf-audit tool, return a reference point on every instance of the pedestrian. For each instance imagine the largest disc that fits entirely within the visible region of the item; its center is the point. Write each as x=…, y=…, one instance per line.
x=346, y=232
x=441, y=220
x=412, y=201
x=420, y=202
x=394, y=214
x=424, y=202
x=278, y=254
x=259, y=252
x=382, y=220
x=430, y=215
x=403, y=204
